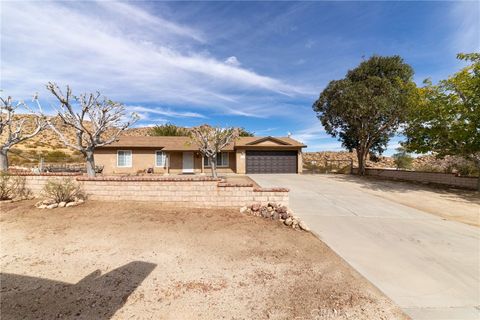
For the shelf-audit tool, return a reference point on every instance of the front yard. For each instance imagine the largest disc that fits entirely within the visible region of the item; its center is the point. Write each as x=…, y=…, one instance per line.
x=130, y=260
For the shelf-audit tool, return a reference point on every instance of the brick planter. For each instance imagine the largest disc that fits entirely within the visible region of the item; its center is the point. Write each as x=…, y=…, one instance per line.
x=169, y=191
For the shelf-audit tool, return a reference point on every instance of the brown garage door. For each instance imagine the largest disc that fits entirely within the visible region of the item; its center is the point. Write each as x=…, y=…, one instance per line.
x=271, y=161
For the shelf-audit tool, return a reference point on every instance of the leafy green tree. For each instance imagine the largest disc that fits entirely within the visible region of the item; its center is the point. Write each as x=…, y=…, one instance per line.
x=365, y=109
x=168, y=129
x=403, y=160
x=446, y=121
x=242, y=132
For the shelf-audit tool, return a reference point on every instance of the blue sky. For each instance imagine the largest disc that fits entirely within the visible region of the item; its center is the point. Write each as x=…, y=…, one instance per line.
x=258, y=65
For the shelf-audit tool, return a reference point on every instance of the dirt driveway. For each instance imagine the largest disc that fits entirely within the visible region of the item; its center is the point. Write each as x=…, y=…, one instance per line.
x=106, y=260
x=428, y=264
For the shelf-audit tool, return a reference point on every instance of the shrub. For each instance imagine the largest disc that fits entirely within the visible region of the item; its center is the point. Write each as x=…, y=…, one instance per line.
x=402, y=159
x=13, y=187
x=62, y=190
x=168, y=129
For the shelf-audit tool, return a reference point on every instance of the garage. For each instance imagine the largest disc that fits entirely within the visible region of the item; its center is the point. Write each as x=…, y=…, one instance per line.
x=271, y=161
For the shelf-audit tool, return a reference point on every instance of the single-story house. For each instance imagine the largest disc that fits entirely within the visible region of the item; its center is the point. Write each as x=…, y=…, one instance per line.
x=176, y=155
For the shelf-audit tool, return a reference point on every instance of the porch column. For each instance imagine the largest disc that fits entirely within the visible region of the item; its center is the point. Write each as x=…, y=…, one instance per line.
x=167, y=163
x=203, y=164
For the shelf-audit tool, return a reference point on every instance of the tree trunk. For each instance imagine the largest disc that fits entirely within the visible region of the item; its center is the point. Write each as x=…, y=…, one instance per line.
x=3, y=160
x=361, y=155
x=213, y=165
x=478, y=179
x=90, y=163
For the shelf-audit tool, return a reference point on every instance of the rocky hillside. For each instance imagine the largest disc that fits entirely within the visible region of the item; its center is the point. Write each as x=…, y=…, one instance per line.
x=317, y=160
x=48, y=146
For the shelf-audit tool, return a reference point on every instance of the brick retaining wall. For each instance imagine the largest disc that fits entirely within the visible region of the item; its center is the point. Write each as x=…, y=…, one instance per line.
x=447, y=179
x=182, y=191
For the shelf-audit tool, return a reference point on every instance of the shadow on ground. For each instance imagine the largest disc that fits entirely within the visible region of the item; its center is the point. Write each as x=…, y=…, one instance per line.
x=94, y=297
x=378, y=184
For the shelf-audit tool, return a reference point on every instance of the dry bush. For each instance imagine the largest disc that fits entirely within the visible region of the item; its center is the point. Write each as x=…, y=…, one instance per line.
x=62, y=190
x=13, y=187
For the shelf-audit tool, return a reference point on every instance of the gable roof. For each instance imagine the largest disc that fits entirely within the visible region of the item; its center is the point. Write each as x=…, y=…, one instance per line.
x=181, y=143
x=258, y=140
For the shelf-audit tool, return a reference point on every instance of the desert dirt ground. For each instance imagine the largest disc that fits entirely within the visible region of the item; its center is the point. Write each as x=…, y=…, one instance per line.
x=449, y=203
x=131, y=260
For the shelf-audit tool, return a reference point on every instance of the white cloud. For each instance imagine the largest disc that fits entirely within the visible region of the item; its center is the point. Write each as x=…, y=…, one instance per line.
x=144, y=111
x=128, y=54
x=465, y=16
x=309, y=44
x=233, y=61
x=312, y=133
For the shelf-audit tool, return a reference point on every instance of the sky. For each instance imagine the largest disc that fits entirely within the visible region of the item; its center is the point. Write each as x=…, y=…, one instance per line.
x=257, y=65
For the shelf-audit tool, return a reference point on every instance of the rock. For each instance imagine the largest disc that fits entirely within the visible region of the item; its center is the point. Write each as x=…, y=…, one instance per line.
x=288, y=221
x=62, y=204
x=52, y=206
x=243, y=209
x=275, y=215
x=285, y=215
x=282, y=209
x=39, y=203
x=303, y=226
x=80, y=200
x=48, y=201
x=256, y=207
x=72, y=204
x=265, y=213
x=269, y=209
x=42, y=206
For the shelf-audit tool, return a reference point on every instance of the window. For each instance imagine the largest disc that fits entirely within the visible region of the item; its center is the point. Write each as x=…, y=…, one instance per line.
x=222, y=160
x=124, y=158
x=160, y=159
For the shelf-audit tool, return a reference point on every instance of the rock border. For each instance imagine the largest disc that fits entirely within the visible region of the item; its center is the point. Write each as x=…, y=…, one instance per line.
x=277, y=212
x=51, y=204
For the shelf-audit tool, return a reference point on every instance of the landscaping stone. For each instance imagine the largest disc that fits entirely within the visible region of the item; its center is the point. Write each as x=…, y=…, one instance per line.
x=275, y=212
x=303, y=226
x=256, y=206
x=52, y=206
x=62, y=204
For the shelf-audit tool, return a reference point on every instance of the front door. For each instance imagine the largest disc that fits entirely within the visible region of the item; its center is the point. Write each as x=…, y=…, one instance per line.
x=187, y=162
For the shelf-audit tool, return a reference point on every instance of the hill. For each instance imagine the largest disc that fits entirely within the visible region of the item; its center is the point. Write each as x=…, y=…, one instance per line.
x=48, y=146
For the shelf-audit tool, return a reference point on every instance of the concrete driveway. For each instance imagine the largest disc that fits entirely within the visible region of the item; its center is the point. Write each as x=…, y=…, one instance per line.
x=429, y=266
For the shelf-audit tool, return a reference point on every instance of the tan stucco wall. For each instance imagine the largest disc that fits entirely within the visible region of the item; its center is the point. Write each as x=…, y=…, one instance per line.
x=143, y=158
x=300, y=162
x=240, y=157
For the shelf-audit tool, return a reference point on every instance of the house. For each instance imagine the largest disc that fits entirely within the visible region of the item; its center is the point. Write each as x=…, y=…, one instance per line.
x=177, y=155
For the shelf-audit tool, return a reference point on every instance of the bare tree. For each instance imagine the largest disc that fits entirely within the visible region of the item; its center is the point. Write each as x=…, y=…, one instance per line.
x=211, y=140
x=15, y=129
x=98, y=122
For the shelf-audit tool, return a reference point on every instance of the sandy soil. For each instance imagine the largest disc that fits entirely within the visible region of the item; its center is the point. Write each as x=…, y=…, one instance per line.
x=106, y=260
x=448, y=203
x=242, y=179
